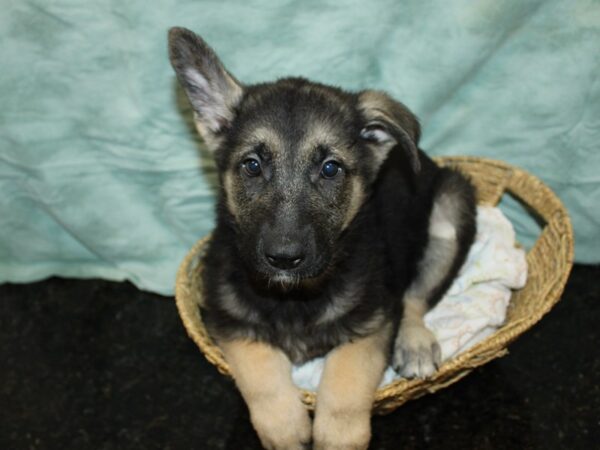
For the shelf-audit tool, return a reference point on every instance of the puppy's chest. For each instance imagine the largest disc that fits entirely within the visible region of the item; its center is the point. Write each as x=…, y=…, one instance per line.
x=314, y=336
x=302, y=343
x=302, y=329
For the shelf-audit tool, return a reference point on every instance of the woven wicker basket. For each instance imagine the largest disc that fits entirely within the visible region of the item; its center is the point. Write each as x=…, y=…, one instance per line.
x=549, y=262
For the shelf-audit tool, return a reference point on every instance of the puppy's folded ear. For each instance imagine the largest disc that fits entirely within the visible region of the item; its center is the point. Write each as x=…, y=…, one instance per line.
x=388, y=124
x=213, y=92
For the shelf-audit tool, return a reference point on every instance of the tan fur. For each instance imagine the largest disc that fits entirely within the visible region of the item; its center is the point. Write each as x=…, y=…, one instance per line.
x=373, y=100
x=264, y=135
x=211, y=140
x=263, y=376
x=317, y=134
x=259, y=135
x=228, y=187
x=352, y=374
x=417, y=352
x=380, y=107
x=377, y=103
x=441, y=249
x=228, y=96
x=320, y=134
x=357, y=197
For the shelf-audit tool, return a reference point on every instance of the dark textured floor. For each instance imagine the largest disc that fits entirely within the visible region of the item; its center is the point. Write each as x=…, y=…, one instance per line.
x=101, y=365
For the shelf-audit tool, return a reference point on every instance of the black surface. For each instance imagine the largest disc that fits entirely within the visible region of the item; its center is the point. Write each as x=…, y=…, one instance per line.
x=95, y=364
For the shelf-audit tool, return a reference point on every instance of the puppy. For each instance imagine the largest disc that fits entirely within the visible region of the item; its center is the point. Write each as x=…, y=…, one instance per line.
x=335, y=234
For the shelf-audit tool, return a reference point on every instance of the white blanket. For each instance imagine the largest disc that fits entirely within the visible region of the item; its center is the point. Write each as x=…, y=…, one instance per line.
x=474, y=306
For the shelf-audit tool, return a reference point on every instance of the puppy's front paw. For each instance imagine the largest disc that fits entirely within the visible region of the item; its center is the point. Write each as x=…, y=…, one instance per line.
x=342, y=430
x=281, y=423
x=417, y=353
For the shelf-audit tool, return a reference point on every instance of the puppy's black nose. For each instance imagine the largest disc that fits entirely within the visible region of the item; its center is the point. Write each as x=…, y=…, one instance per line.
x=285, y=260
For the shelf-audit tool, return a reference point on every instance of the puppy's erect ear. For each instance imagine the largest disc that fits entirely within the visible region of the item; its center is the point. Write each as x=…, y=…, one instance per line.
x=213, y=92
x=389, y=123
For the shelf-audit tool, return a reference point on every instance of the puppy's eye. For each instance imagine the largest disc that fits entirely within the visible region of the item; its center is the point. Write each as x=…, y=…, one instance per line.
x=252, y=167
x=330, y=169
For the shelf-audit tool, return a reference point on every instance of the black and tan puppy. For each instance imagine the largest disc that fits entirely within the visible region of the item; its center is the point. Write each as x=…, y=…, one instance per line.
x=335, y=235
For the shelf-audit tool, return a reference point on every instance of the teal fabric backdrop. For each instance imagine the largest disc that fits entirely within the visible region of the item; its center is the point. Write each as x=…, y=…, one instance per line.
x=101, y=174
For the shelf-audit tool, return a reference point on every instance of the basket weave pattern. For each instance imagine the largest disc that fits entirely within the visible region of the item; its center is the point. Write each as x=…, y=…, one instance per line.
x=549, y=263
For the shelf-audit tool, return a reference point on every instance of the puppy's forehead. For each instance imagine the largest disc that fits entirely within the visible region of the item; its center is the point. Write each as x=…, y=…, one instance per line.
x=297, y=115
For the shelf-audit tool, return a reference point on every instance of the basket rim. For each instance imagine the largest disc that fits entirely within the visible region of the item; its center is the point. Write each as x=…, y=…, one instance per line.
x=517, y=182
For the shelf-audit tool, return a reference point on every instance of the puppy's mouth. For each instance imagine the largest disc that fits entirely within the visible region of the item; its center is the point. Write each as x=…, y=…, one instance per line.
x=287, y=280
x=283, y=280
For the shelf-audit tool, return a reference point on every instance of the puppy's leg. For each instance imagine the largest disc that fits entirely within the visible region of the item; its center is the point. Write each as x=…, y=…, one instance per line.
x=416, y=351
x=263, y=376
x=451, y=231
x=345, y=396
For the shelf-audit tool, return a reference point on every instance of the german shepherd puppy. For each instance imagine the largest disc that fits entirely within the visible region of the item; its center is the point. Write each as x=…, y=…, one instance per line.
x=335, y=234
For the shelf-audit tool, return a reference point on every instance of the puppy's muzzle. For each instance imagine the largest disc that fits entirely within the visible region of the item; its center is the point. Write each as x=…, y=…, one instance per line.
x=285, y=257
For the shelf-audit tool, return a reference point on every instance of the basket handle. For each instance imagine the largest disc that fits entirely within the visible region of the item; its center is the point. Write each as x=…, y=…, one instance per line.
x=553, y=250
